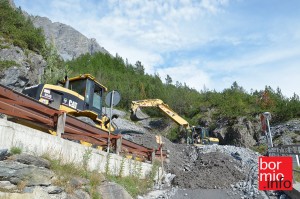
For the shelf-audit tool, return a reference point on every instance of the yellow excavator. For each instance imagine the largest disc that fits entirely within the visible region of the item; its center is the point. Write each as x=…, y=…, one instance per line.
x=80, y=96
x=199, y=135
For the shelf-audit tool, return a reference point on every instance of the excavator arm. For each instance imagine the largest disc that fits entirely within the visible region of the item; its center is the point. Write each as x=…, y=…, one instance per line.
x=137, y=114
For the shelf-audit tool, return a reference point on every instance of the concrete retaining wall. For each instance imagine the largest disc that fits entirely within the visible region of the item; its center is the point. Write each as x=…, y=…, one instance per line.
x=39, y=143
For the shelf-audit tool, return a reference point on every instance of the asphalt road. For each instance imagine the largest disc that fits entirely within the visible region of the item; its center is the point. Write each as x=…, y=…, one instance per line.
x=206, y=194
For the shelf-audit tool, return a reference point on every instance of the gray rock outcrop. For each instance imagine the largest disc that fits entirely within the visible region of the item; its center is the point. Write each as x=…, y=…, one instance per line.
x=69, y=42
x=112, y=190
x=31, y=160
x=239, y=132
x=24, y=69
x=16, y=173
x=287, y=133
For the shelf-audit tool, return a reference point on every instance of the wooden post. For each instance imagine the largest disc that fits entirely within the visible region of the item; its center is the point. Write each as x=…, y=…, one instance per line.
x=61, y=121
x=118, y=145
x=162, y=161
x=153, y=156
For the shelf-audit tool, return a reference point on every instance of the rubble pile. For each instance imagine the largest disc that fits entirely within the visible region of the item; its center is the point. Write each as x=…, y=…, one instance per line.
x=210, y=171
x=249, y=167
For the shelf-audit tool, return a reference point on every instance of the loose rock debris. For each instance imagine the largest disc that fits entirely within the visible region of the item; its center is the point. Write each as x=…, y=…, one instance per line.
x=209, y=171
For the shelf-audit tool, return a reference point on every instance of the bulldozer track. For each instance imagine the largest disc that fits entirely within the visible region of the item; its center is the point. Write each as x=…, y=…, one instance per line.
x=24, y=108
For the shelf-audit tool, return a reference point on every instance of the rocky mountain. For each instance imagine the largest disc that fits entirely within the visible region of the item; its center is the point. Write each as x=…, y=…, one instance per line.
x=69, y=42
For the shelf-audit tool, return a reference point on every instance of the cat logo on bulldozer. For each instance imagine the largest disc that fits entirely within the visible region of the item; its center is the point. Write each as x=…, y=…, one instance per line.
x=73, y=104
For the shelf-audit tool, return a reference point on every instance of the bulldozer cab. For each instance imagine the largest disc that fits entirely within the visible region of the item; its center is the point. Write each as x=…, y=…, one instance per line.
x=92, y=91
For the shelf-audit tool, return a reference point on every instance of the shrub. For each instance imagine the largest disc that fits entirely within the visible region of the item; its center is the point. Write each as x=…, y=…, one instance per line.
x=262, y=149
x=15, y=150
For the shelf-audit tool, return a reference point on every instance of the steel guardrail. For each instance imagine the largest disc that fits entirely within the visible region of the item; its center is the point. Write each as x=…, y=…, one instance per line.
x=26, y=110
x=284, y=150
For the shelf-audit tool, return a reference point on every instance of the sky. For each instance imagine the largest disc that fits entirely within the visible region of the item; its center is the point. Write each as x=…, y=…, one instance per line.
x=207, y=44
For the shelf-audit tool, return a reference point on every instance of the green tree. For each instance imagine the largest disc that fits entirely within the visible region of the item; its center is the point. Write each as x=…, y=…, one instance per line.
x=168, y=80
x=139, y=68
x=55, y=69
x=19, y=30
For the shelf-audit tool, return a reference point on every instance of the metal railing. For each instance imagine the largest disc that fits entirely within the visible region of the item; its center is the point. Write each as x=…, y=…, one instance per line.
x=26, y=110
x=287, y=150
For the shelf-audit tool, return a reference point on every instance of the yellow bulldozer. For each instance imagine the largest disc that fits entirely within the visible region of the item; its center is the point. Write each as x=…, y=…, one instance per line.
x=80, y=96
x=196, y=135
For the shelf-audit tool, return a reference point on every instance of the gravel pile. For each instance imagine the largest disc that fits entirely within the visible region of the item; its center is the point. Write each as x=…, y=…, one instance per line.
x=210, y=171
x=246, y=156
x=249, y=167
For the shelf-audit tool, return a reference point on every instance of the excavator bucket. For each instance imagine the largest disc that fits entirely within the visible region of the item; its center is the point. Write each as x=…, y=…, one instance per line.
x=138, y=115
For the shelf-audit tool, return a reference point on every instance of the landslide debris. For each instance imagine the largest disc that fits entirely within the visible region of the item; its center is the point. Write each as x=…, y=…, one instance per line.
x=209, y=171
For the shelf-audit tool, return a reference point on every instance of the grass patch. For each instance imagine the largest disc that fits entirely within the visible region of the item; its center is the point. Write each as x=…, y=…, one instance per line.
x=297, y=174
x=262, y=149
x=15, y=150
x=173, y=135
x=7, y=63
x=4, y=46
x=65, y=172
x=133, y=184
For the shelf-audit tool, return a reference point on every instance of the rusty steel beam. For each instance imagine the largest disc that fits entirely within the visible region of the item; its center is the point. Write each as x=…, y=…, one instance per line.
x=133, y=145
x=84, y=138
x=80, y=126
x=20, y=106
x=18, y=112
x=15, y=98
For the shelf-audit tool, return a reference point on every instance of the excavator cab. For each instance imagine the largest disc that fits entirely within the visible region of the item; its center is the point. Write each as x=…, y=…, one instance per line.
x=201, y=136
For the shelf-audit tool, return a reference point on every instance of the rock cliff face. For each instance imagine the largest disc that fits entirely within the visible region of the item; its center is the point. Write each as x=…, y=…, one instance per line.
x=19, y=68
x=238, y=132
x=69, y=42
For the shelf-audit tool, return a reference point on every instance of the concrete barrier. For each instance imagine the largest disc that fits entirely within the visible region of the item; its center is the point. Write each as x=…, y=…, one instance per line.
x=39, y=143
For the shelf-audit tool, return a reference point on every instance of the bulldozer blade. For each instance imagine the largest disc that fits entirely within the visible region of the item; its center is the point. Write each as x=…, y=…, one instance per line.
x=138, y=115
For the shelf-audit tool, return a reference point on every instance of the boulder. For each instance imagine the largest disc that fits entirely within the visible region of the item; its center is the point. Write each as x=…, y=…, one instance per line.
x=111, y=190
x=3, y=154
x=54, y=190
x=31, y=160
x=16, y=173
